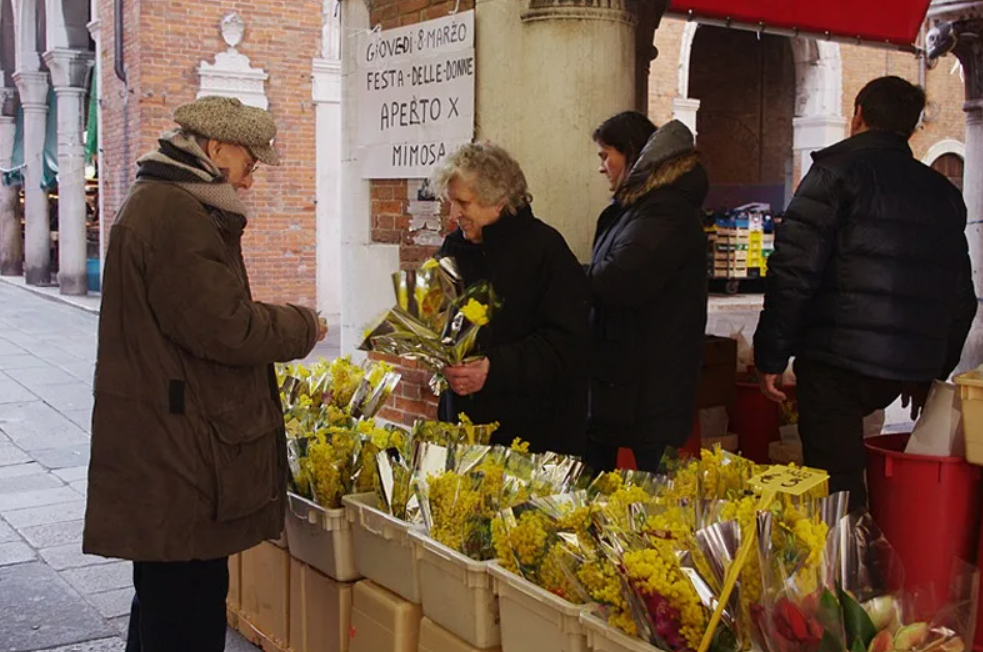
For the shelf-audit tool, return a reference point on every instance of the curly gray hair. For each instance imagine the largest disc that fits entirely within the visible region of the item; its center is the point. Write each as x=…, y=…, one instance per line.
x=491, y=172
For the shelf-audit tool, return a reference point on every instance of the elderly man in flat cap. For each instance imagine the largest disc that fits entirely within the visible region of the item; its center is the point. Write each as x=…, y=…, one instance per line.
x=188, y=450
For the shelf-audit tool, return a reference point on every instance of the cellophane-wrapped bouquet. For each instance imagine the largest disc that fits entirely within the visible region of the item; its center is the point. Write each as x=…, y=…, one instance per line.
x=435, y=320
x=332, y=435
x=462, y=488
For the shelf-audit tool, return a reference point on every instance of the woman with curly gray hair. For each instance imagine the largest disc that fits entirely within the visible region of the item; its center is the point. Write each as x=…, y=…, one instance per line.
x=532, y=376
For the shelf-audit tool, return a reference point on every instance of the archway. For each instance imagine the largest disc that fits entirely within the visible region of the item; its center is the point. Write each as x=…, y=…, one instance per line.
x=818, y=120
x=745, y=119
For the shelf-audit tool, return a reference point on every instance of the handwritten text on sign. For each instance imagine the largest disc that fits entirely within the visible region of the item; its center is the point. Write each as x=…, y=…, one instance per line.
x=796, y=481
x=415, y=96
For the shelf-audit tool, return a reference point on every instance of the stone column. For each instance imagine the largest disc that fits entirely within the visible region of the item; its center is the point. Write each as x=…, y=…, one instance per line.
x=549, y=72
x=685, y=110
x=33, y=88
x=11, y=245
x=969, y=50
x=68, y=71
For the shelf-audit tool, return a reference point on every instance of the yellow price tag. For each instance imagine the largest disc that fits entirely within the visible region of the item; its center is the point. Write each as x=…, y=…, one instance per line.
x=789, y=480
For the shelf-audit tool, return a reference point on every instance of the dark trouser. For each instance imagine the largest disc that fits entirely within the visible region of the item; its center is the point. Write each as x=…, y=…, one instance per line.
x=832, y=405
x=604, y=457
x=179, y=606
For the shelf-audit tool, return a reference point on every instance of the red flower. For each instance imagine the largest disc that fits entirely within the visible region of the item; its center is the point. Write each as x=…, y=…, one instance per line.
x=790, y=628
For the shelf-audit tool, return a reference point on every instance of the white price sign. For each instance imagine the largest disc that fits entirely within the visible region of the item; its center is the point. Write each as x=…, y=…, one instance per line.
x=415, y=96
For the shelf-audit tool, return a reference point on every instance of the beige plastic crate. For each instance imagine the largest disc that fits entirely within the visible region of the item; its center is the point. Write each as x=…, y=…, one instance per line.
x=971, y=393
x=601, y=637
x=382, y=621
x=434, y=638
x=384, y=552
x=457, y=593
x=321, y=538
x=533, y=619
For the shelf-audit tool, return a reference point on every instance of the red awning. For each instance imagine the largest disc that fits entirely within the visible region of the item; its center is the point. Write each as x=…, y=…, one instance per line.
x=884, y=22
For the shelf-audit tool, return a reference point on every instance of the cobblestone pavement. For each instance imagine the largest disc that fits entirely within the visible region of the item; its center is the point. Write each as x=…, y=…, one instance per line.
x=52, y=596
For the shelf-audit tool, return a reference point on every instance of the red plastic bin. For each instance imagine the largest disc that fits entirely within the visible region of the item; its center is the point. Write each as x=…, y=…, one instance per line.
x=928, y=508
x=756, y=420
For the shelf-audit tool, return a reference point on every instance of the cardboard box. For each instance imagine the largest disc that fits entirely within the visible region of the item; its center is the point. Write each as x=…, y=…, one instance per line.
x=718, y=382
x=234, y=601
x=265, y=591
x=320, y=611
x=382, y=621
x=434, y=638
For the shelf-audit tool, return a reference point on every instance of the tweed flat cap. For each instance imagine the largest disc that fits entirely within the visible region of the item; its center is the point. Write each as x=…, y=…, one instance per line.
x=230, y=121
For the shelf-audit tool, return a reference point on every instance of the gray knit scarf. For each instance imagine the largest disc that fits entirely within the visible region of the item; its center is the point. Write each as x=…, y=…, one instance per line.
x=213, y=189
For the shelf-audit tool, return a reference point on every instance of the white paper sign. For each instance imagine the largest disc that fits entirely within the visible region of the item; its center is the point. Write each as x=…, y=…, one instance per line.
x=415, y=96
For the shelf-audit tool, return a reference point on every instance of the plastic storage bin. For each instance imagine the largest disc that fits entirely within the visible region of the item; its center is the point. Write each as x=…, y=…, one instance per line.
x=533, y=619
x=458, y=593
x=384, y=552
x=601, y=637
x=321, y=538
x=434, y=638
x=971, y=392
x=382, y=621
x=928, y=508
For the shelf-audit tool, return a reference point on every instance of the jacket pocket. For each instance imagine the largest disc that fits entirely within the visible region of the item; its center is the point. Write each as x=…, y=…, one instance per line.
x=244, y=454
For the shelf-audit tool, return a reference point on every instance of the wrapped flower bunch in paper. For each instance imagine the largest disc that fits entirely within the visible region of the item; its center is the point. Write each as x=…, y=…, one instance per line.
x=435, y=319
x=538, y=540
x=463, y=488
x=332, y=437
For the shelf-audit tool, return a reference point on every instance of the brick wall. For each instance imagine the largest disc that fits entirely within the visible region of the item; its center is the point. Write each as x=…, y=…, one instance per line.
x=165, y=41
x=943, y=87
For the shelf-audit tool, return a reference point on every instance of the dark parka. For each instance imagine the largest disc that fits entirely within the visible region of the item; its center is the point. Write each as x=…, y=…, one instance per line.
x=871, y=271
x=537, y=382
x=648, y=280
x=188, y=449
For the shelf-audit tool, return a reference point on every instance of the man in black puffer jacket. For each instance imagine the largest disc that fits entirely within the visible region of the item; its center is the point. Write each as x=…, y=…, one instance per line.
x=870, y=285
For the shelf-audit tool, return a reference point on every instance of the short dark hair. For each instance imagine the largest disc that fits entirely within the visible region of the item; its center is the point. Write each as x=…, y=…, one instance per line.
x=891, y=104
x=626, y=132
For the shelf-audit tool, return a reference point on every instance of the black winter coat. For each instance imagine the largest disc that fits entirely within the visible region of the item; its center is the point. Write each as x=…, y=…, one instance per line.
x=648, y=278
x=537, y=380
x=871, y=270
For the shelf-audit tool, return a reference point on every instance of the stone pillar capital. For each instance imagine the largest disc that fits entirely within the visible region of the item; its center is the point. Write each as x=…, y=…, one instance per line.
x=93, y=28
x=68, y=67
x=613, y=10
x=33, y=90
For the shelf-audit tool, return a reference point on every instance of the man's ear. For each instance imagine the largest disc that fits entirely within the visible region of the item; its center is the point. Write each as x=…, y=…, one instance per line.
x=212, y=148
x=858, y=124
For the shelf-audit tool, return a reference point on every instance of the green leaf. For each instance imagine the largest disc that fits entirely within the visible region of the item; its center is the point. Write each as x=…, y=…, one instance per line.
x=829, y=608
x=857, y=646
x=859, y=627
x=829, y=643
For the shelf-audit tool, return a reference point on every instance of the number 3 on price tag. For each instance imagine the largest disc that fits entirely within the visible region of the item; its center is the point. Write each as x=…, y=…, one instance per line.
x=789, y=480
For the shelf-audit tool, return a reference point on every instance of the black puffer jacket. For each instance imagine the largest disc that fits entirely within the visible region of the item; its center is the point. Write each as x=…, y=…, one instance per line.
x=648, y=277
x=537, y=380
x=871, y=271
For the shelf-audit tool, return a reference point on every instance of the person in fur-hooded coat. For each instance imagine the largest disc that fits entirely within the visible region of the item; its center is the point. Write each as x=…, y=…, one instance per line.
x=648, y=280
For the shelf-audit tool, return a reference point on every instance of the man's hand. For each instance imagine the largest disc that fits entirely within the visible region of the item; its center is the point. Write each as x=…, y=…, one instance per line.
x=916, y=394
x=322, y=328
x=465, y=379
x=770, y=384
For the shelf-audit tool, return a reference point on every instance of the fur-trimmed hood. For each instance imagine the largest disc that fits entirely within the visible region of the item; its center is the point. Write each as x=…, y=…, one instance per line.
x=668, y=156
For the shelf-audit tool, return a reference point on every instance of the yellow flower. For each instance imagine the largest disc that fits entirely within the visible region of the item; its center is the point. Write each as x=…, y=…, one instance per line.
x=475, y=312
x=520, y=446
